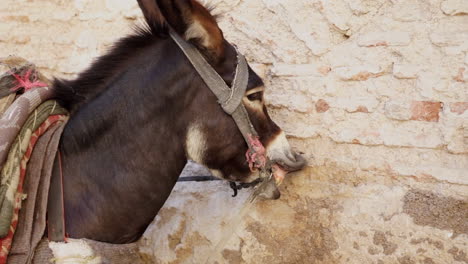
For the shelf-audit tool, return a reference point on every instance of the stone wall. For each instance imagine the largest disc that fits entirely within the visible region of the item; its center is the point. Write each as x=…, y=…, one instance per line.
x=374, y=92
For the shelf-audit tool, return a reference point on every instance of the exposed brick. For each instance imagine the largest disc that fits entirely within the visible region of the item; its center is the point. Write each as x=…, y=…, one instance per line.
x=362, y=109
x=321, y=106
x=458, y=107
x=358, y=73
x=405, y=71
x=391, y=38
x=425, y=111
x=21, y=19
x=454, y=7
x=460, y=77
x=324, y=70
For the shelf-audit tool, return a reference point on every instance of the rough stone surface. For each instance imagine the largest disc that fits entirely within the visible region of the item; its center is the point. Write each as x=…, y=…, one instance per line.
x=459, y=107
x=375, y=39
x=358, y=72
x=405, y=71
x=398, y=109
x=427, y=208
x=454, y=7
x=373, y=92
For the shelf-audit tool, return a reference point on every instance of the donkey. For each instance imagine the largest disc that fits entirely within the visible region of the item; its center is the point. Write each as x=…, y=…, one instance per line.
x=141, y=111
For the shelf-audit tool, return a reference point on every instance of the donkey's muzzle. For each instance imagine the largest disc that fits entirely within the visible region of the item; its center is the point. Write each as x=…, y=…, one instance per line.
x=268, y=190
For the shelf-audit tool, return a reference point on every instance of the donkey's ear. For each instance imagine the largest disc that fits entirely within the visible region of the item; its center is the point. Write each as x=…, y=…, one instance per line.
x=152, y=13
x=190, y=19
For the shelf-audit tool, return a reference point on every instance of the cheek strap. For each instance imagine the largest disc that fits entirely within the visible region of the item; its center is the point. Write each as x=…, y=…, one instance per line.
x=230, y=98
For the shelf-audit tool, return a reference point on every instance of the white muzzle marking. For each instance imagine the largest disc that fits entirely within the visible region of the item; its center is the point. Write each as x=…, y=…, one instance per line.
x=279, y=148
x=195, y=144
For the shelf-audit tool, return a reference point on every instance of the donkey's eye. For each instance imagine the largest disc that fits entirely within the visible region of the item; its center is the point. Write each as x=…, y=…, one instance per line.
x=255, y=96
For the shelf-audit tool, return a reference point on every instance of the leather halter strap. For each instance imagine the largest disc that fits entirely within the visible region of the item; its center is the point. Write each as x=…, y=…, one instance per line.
x=230, y=98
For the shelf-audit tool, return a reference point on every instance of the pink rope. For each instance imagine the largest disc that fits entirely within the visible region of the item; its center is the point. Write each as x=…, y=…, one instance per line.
x=25, y=82
x=256, y=155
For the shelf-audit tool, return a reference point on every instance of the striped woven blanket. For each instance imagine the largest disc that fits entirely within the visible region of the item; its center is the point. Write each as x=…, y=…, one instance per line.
x=26, y=114
x=30, y=128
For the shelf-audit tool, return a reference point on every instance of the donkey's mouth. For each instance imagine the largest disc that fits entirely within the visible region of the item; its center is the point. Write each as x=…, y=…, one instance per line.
x=279, y=169
x=269, y=189
x=278, y=173
x=282, y=167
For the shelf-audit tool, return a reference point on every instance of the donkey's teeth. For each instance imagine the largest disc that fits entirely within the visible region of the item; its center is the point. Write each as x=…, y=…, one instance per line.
x=279, y=174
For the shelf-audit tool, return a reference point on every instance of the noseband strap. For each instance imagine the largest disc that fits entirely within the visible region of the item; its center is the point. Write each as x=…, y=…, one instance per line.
x=230, y=98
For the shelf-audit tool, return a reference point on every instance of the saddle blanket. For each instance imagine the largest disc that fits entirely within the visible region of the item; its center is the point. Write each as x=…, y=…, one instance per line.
x=30, y=128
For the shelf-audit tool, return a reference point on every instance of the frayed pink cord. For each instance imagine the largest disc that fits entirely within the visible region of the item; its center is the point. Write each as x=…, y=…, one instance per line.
x=256, y=155
x=25, y=82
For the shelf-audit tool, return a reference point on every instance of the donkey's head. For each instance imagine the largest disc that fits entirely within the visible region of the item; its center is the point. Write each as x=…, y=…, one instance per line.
x=212, y=137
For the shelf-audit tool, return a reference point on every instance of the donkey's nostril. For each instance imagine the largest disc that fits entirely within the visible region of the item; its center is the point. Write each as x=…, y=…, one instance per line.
x=290, y=156
x=295, y=163
x=301, y=162
x=276, y=195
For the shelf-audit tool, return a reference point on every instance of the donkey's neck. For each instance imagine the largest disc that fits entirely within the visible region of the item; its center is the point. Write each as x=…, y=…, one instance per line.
x=124, y=149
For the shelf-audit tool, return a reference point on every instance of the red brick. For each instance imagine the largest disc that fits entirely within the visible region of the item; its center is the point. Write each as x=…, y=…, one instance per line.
x=321, y=106
x=362, y=76
x=22, y=19
x=324, y=70
x=459, y=107
x=425, y=111
x=362, y=109
x=459, y=77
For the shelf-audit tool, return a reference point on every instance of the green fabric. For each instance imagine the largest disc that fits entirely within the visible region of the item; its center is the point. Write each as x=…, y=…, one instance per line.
x=10, y=172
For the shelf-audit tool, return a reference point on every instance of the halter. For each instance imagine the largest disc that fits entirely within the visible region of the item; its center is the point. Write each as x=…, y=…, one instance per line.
x=230, y=99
